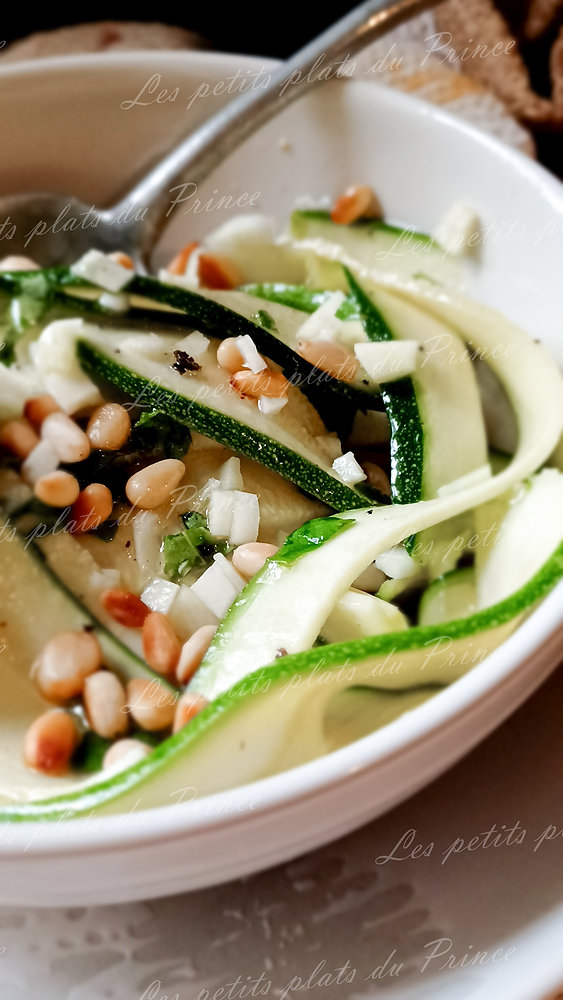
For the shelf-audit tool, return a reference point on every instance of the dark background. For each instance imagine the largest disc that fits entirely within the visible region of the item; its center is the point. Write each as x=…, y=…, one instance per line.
x=268, y=28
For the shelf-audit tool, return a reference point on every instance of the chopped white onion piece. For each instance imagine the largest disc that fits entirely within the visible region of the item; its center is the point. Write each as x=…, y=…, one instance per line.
x=270, y=405
x=348, y=470
x=396, y=563
x=114, y=302
x=215, y=589
x=147, y=539
x=245, y=518
x=195, y=344
x=458, y=229
x=230, y=572
x=160, y=595
x=149, y=345
x=40, y=462
x=102, y=270
x=72, y=392
x=220, y=512
x=323, y=324
x=388, y=360
x=188, y=613
x=472, y=478
x=250, y=356
x=230, y=476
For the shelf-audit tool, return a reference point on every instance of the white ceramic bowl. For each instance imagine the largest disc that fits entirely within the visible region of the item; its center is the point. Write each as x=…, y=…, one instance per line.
x=72, y=125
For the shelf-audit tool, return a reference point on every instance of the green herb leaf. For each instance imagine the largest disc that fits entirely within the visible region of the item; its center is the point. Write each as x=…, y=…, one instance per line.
x=191, y=548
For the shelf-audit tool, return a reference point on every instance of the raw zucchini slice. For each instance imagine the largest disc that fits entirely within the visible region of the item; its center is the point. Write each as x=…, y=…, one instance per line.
x=204, y=402
x=449, y=597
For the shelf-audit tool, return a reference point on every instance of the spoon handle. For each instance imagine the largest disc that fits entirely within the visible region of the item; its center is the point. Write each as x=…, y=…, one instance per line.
x=198, y=154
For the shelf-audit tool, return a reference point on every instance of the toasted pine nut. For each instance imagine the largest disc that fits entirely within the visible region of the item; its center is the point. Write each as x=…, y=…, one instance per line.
x=65, y=663
x=66, y=437
x=122, y=258
x=152, y=486
x=216, y=271
x=124, y=607
x=126, y=753
x=39, y=407
x=357, y=202
x=189, y=705
x=193, y=651
x=18, y=263
x=109, y=427
x=92, y=507
x=179, y=263
x=229, y=356
x=105, y=703
x=161, y=646
x=57, y=489
x=50, y=742
x=377, y=477
x=151, y=704
x=18, y=437
x=331, y=358
x=249, y=558
x=266, y=383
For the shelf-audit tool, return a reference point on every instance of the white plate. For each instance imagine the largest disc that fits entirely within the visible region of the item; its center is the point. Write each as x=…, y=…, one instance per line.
x=70, y=125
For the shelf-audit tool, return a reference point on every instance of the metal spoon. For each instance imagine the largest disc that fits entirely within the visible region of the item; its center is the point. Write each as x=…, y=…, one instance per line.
x=197, y=155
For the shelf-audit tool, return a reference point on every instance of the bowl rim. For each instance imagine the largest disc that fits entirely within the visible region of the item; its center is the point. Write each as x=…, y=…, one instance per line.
x=162, y=823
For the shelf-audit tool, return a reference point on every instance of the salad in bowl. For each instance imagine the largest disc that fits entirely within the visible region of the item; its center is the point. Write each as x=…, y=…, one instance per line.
x=257, y=506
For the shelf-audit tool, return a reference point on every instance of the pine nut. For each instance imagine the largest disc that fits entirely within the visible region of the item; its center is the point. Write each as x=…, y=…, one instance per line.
x=218, y=272
x=109, y=427
x=18, y=437
x=151, y=704
x=229, y=356
x=179, y=263
x=189, y=705
x=39, y=407
x=274, y=385
x=249, y=558
x=329, y=357
x=161, y=646
x=105, y=703
x=66, y=437
x=193, y=651
x=57, y=489
x=14, y=262
x=122, y=258
x=152, y=486
x=93, y=506
x=124, y=607
x=65, y=663
x=357, y=202
x=126, y=753
x=50, y=741
x=377, y=477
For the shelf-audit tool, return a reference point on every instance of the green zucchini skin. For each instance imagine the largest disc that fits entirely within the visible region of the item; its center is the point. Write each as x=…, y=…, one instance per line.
x=226, y=430
x=399, y=399
x=335, y=401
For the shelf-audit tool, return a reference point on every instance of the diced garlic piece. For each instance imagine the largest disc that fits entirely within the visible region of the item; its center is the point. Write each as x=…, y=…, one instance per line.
x=245, y=518
x=71, y=392
x=102, y=270
x=388, y=360
x=114, y=302
x=215, y=589
x=188, y=613
x=270, y=405
x=396, y=563
x=323, y=324
x=250, y=356
x=458, y=229
x=160, y=595
x=195, y=344
x=220, y=512
x=348, y=470
x=230, y=476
